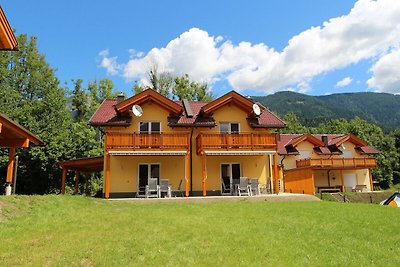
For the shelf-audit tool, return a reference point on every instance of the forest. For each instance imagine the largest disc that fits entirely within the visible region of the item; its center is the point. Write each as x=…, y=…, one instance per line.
x=32, y=95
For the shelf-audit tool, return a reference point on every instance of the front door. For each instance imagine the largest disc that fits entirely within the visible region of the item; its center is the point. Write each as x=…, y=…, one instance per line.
x=147, y=171
x=230, y=174
x=350, y=181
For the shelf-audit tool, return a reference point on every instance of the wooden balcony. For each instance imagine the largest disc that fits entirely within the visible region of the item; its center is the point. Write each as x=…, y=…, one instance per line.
x=236, y=141
x=154, y=141
x=338, y=163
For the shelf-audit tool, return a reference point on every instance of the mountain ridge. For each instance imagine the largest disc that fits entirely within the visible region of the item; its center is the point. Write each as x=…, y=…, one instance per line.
x=382, y=109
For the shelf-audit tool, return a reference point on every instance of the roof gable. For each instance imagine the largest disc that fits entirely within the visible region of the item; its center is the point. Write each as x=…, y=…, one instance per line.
x=7, y=37
x=149, y=95
x=348, y=137
x=305, y=137
x=231, y=97
x=13, y=134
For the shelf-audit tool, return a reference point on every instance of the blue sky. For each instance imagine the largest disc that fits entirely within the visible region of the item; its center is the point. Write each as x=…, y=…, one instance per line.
x=254, y=47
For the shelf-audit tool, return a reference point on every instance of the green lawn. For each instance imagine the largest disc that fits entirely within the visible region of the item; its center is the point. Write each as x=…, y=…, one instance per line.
x=74, y=230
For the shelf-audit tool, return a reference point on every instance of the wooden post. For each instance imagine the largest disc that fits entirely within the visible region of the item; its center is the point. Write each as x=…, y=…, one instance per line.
x=187, y=157
x=107, y=176
x=87, y=175
x=63, y=178
x=10, y=166
x=76, y=182
x=342, y=180
x=370, y=179
x=204, y=169
x=276, y=173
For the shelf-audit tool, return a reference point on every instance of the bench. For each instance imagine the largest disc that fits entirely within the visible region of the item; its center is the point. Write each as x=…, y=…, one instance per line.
x=360, y=188
x=329, y=189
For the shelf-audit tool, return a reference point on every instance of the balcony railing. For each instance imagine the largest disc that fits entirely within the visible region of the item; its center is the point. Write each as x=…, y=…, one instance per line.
x=236, y=141
x=159, y=141
x=337, y=163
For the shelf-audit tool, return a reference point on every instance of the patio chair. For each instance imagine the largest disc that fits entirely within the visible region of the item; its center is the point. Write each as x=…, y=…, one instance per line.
x=152, y=189
x=243, y=188
x=254, y=187
x=178, y=191
x=225, y=190
x=165, y=188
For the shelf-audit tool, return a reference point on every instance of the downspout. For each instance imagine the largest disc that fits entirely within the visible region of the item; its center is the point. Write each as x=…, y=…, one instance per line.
x=191, y=161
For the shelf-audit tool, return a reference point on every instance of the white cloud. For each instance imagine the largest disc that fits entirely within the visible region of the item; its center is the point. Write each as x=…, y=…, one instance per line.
x=109, y=63
x=370, y=30
x=386, y=73
x=344, y=82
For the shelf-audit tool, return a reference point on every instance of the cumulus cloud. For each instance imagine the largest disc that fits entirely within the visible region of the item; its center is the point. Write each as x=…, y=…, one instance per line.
x=386, y=73
x=109, y=63
x=344, y=82
x=370, y=30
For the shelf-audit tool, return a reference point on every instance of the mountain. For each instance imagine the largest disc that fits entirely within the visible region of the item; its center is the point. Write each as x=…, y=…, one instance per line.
x=380, y=108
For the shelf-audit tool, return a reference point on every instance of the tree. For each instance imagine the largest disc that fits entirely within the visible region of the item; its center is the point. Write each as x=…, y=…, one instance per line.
x=79, y=101
x=180, y=87
x=293, y=125
x=31, y=95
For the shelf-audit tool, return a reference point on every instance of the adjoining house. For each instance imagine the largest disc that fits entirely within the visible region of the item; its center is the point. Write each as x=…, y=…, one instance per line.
x=313, y=163
x=195, y=145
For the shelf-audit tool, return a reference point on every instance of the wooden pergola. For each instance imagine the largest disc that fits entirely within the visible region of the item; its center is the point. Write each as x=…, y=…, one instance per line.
x=13, y=135
x=87, y=166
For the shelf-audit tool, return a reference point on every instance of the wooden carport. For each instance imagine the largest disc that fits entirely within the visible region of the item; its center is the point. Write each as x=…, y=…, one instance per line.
x=13, y=135
x=87, y=166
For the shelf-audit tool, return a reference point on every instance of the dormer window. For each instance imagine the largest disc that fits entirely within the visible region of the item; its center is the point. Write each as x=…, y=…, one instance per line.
x=149, y=127
x=229, y=127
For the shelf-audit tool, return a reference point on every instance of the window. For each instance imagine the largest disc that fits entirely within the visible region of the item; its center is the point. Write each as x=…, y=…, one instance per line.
x=229, y=127
x=149, y=127
x=230, y=174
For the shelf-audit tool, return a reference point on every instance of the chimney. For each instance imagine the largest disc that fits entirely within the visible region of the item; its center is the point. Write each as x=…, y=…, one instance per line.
x=325, y=140
x=120, y=98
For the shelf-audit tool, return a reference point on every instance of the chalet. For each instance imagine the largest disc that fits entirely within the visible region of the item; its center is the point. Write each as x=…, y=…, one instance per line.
x=311, y=163
x=198, y=147
x=205, y=149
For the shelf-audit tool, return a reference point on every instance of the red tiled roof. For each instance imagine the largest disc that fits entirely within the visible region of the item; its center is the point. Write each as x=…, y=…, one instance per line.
x=184, y=120
x=368, y=150
x=106, y=115
x=286, y=140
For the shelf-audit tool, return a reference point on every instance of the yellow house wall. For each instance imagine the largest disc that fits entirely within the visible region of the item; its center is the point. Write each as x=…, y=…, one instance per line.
x=124, y=171
x=251, y=166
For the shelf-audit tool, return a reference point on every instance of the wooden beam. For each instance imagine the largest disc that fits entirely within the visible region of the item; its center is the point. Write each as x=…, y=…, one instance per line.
x=107, y=176
x=204, y=171
x=76, y=182
x=87, y=176
x=187, y=158
x=276, y=173
x=1, y=126
x=63, y=178
x=370, y=179
x=342, y=181
x=14, y=142
x=10, y=166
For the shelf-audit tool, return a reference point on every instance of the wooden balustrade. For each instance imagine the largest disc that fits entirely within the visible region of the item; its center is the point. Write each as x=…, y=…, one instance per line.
x=134, y=141
x=337, y=163
x=226, y=141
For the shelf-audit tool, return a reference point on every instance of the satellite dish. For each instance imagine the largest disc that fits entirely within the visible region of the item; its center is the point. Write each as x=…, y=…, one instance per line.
x=137, y=110
x=256, y=109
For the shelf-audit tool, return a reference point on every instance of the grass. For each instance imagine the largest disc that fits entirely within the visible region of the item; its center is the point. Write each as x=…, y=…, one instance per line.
x=81, y=231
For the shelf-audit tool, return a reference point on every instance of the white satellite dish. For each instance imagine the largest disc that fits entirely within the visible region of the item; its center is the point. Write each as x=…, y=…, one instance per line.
x=256, y=109
x=137, y=110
